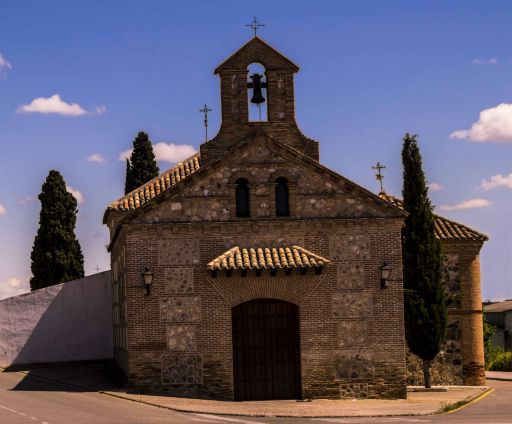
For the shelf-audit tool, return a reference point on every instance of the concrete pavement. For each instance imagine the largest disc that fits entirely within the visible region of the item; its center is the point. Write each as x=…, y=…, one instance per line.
x=417, y=403
x=30, y=399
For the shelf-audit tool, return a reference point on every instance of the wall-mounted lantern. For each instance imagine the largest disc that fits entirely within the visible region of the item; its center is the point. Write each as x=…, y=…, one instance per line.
x=385, y=272
x=147, y=277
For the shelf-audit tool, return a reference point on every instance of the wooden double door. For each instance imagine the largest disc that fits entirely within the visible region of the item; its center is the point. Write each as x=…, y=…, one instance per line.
x=266, y=350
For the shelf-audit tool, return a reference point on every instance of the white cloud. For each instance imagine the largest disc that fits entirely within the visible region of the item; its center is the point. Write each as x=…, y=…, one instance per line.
x=491, y=61
x=53, y=104
x=497, y=181
x=96, y=158
x=467, y=204
x=3, y=211
x=13, y=286
x=100, y=109
x=4, y=63
x=494, y=124
x=28, y=199
x=76, y=194
x=436, y=187
x=166, y=152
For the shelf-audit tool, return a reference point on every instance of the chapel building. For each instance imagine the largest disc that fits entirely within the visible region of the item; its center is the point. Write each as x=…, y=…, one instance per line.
x=265, y=266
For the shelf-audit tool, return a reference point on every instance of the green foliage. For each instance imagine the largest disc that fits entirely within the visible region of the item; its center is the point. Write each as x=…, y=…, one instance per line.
x=56, y=254
x=128, y=180
x=492, y=354
x=425, y=300
x=501, y=361
x=489, y=331
x=142, y=166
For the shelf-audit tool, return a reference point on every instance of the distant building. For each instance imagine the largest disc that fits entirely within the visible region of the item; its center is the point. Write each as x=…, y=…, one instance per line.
x=499, y=315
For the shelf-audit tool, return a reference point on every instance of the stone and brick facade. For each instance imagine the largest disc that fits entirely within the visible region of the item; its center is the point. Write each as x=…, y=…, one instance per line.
x=324, y=258
x=461, y=360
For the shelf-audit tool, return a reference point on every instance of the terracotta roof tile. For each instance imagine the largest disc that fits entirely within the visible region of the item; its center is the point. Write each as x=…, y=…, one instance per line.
x=267, y=258
x=158, y=185
x=445, y=229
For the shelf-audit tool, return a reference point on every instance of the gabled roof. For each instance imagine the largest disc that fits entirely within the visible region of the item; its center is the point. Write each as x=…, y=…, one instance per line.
x=154, y=187
x=267, y=258
x=499, y=306
x=175, y=177
x=445, y=229
x=252, y=47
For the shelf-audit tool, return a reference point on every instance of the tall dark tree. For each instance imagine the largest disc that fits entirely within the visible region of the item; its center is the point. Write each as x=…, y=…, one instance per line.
x=143, y=166
x=56, y=254
x=425, y=296
x=128, y=179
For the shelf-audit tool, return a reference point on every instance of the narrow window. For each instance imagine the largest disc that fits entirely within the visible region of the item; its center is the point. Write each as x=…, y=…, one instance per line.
x=242, y=198
x=282, y=197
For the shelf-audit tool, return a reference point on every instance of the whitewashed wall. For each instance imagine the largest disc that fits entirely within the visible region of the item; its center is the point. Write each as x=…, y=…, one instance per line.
x=67, y=322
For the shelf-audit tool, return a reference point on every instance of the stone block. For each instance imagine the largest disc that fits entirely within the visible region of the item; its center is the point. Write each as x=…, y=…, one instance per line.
x=351, y=275
x=352, y=333
x=180, y=309
x=351, y=304
x=178, y=252
x=179, y=280
x=181, y=337
x=350, y=247
x=355, y=364
x=182, y=369
x=354, y=391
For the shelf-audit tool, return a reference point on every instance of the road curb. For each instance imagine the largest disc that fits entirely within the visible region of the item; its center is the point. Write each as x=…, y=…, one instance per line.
x=446, y=409
x=457, y=406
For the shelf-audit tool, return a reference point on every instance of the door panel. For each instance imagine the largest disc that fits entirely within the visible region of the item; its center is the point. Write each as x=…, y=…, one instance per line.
x=266, y=350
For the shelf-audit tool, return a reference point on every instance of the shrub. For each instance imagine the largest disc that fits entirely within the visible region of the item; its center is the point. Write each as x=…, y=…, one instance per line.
x=501, y=361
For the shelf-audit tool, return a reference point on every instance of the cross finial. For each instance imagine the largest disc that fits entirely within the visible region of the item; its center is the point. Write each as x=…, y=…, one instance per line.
x=205, y=110
x=378, y=176
x=255, y=25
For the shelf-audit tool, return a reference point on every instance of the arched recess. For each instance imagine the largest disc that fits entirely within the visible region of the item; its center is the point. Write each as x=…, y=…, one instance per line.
x=257, y=94
x=282, y=193
x=282, y=196
x=242, y=198
x=266, y=350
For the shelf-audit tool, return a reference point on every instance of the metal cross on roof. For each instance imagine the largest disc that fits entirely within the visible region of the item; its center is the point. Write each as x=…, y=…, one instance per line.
x=378, y=176
x=255, y=25
x=205, y=110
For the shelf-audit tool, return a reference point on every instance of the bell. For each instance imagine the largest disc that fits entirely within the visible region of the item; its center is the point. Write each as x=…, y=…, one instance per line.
x=257, y=97
x=256, y=85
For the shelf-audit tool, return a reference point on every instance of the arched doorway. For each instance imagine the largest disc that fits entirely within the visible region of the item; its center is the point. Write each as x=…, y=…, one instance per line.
x=266, y=350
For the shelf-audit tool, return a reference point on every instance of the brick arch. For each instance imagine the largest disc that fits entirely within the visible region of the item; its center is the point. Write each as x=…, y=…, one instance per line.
x=240, y=174
x=293, y=288
x=282, y=172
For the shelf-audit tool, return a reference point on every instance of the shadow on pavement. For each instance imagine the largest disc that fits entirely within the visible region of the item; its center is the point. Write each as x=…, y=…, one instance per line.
x=84, y=376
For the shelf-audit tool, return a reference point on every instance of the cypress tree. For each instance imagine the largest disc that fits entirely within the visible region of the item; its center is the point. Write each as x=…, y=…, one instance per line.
x=128, y=181
x=425, y=300
x=143, y=166
x=56, y=254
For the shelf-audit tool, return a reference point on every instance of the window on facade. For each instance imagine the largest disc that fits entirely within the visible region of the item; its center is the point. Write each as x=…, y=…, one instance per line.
x=282, y=197
x=242, y=198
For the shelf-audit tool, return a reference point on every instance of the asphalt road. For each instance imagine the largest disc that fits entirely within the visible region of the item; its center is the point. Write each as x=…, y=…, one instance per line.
x=29, y=399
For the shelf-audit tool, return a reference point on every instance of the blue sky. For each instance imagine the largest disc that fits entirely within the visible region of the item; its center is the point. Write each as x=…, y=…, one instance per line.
x=370, y=71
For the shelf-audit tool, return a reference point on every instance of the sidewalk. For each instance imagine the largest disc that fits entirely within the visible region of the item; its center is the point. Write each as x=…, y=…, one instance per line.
x=101, y=376
x=418, y=403
x=499, y=375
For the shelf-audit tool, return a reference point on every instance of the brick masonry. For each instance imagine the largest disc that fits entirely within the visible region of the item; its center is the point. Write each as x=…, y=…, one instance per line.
x=461, y=360
x=178, y=340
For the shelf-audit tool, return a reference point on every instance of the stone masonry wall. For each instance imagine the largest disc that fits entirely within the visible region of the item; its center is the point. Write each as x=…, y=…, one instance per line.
x=179, y=338
x=460, y=360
